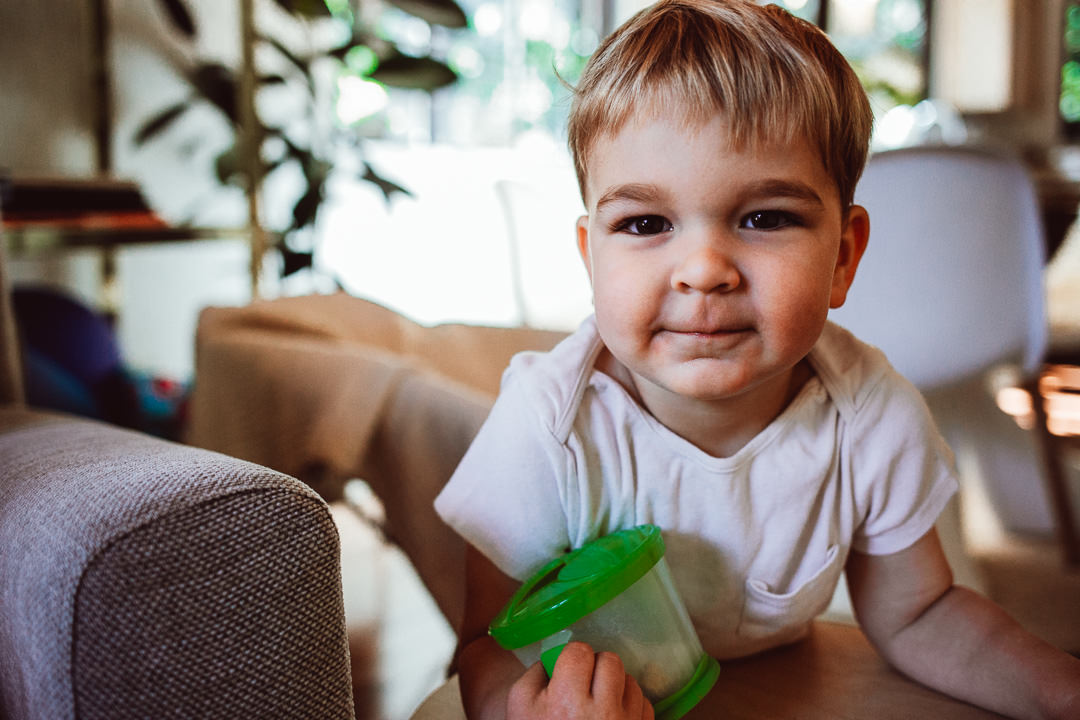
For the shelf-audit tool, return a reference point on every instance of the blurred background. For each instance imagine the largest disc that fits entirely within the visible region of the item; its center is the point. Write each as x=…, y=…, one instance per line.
x=161, y=156
x=147, y=92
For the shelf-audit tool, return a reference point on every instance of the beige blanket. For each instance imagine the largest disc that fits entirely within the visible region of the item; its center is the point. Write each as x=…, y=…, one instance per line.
x=331, y=387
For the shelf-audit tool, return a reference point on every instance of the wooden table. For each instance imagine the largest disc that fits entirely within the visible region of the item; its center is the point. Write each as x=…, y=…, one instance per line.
x=832, y=675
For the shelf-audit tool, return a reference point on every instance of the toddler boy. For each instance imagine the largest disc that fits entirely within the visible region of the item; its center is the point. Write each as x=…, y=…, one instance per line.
x=717, y=145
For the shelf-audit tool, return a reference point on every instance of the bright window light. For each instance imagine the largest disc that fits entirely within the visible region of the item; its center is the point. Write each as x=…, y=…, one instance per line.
x=535, y=20
x=854, y=17
x=487, y=20
x=359, y=99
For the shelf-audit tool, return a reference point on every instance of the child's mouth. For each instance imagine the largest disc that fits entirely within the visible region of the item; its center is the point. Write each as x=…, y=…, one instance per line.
x=710, y=331
x=718, y=336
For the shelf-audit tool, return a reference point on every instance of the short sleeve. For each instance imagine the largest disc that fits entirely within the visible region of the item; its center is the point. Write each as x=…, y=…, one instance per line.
x=504, y=496
x=902, y=468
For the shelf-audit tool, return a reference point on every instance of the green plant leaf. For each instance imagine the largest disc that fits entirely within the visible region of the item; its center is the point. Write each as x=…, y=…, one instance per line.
x=217, y=84
x=305, y=8
x=294, y=261
x=350, y=46
x=272, y=166
x=388, y=187
x=307, y=207
x=180, y=17
x=359, y=57
x=414, y=73
x=315, y=170
x=438, y=12
x=159, y=122
x=286, y=53
x=227, y=167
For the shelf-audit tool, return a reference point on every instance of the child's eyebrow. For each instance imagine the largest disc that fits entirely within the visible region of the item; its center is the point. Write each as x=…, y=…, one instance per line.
x=783, y=188
x=634, y=192
x=768, y=188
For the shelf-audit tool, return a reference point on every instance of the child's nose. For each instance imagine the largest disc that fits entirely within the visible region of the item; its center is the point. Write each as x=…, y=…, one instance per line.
x=707, y=268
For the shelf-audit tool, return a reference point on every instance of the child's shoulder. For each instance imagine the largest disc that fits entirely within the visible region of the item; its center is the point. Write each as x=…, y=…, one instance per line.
x=853, y=371
x=554, y=381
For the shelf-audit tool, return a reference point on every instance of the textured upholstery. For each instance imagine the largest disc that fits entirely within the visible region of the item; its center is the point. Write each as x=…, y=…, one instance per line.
x=141, y=578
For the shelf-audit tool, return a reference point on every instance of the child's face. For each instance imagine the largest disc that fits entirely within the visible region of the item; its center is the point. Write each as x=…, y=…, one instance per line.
x=713, y=269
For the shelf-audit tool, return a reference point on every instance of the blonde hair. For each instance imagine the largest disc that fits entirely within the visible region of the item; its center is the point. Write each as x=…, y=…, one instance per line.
x=772, y=76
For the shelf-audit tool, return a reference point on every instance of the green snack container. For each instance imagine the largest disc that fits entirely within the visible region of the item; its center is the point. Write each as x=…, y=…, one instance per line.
x=617, y=595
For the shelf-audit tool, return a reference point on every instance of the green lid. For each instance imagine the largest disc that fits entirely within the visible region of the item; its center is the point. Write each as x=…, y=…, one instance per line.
x=574, y=585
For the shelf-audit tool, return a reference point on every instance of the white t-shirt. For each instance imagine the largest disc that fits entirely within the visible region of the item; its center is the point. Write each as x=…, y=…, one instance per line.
x=756, y=542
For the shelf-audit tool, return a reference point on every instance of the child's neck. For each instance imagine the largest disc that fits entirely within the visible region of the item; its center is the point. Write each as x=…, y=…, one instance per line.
x=718, y=427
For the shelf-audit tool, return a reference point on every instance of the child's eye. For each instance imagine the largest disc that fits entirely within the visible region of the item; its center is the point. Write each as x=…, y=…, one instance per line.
x=644, y=225
x=767, y=220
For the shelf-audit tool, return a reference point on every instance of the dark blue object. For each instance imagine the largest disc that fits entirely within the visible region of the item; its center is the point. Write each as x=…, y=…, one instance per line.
x=72, y=364
x=66, y=331
x=50, y=385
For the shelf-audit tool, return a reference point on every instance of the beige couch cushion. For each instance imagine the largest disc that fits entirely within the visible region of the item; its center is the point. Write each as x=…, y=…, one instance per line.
x=332, y=387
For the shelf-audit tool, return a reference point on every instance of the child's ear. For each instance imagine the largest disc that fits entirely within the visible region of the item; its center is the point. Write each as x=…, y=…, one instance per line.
x=853, y=241
x=583, y=243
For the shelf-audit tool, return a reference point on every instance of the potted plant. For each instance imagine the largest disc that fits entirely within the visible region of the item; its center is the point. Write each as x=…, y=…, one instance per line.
x=357, y=45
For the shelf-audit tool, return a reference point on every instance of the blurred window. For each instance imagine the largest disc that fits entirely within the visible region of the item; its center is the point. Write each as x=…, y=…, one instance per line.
x=516, y=55
x=1069, y=103
x=512, y=62
x=886, y=42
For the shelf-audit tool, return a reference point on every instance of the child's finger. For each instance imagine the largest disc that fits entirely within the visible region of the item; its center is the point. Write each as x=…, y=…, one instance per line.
x=573, y=670
x=609, y=678
x=635, y=702
x=521, y=701
x=532, y=682
x=647, y=710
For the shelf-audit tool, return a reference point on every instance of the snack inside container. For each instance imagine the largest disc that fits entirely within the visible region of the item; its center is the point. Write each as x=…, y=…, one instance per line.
x=616, y=594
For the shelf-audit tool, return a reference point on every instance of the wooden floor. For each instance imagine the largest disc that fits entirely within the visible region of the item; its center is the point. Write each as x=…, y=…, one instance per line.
x=1028, y=579
x=1027, y=575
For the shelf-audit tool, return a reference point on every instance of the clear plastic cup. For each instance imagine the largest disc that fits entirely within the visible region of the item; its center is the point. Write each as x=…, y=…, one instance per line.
x=616, y=594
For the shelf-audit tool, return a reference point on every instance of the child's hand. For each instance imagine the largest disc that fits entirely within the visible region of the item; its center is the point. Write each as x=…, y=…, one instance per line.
x=583, y=686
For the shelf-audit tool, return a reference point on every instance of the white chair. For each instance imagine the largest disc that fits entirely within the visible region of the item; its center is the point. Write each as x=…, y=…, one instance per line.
x=950, y=287
x=951, y=283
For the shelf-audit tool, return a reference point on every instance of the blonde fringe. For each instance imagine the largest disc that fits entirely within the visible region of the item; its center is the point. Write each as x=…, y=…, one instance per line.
x=773, y=77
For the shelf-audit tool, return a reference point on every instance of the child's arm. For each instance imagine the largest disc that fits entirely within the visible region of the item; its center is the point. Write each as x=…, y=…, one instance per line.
x=485, y=670
x=494, y=685
x=956, y=641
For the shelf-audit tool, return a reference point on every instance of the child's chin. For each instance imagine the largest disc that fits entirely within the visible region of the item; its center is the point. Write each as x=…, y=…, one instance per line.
x=708, y=386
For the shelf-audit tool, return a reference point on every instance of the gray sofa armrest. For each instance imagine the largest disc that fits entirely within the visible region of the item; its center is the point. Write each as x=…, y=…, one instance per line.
x=141, y=578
